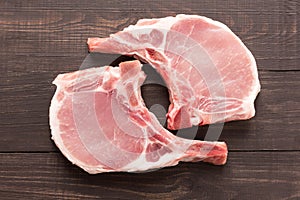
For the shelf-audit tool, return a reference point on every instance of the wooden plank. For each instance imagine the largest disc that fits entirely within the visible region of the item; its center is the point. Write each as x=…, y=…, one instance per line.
x=247, y=175
x=42, y=28
x=41, y=38
x=275, y=126
x=25, y=99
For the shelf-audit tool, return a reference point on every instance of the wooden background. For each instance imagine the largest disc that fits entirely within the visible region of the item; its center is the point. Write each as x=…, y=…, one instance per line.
x=40, y=39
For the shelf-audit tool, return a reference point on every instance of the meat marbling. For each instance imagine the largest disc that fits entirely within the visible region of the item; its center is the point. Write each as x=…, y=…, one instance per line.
x=211, y=75
x=100, y=123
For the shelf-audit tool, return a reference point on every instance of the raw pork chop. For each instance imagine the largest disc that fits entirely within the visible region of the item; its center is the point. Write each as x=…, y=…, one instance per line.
x=211, y=75
x=99, y=122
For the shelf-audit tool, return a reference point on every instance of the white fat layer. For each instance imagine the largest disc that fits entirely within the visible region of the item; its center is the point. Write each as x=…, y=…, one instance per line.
x=164, y=25
x=54, y=122
x=56, y=105
x=140, y=164
x=168, y=159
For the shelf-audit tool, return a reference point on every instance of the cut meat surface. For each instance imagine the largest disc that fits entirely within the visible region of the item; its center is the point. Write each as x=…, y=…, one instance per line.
x=211, y=75
x=100, y=123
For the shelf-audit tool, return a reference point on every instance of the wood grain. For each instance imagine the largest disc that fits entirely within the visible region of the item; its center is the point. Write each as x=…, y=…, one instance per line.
x=42, y=38
x=27, y=95
x=268, y=28
x=263, y=175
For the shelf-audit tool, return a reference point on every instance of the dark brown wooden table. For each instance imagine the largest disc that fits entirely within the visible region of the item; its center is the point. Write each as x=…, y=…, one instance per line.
x=40, y=39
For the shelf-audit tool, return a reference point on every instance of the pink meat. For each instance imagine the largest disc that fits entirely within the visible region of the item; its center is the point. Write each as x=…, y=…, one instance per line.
x=100, y=123
x=211, y=75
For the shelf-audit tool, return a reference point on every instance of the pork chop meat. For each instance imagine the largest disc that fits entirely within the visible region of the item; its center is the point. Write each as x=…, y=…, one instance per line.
x=100, y=123
x=211, y=75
